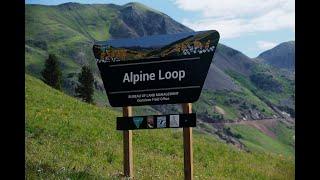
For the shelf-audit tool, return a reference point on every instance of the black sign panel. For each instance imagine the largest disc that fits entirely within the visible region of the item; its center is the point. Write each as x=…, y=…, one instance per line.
x=162, y=69
x=156, y=121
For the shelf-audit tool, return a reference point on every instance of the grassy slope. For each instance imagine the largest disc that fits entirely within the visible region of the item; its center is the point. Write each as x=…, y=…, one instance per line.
x=68, y=138
x=232, y=112
x=256, y=140
x=273, y=97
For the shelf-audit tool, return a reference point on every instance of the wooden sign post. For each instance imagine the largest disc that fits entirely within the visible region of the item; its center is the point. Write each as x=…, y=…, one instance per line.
x=127, y=146
x=187, y=144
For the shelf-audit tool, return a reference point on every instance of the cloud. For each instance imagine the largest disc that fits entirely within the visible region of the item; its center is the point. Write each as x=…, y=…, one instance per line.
x=234, y=8
x=233, y=18
x=266, y=45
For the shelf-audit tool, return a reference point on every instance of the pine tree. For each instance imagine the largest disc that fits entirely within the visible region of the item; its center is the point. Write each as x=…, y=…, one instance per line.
x=84, y=89
x=51, y=73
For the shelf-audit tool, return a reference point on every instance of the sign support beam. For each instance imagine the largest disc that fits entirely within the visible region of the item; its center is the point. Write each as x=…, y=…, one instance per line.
x=127, y=146
x=187, y=144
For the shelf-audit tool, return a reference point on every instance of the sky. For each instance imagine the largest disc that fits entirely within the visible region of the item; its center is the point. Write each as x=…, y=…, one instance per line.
x=250, y=26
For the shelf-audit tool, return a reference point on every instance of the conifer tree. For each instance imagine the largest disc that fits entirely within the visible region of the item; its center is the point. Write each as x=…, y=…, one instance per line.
x=84, y=89
x=51, y=74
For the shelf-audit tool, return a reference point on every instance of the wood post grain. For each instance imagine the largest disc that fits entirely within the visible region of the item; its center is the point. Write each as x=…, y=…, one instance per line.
x=187, y=144
x=127, y=146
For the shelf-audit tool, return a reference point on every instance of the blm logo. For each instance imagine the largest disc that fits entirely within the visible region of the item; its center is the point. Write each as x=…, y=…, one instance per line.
x=137, y=121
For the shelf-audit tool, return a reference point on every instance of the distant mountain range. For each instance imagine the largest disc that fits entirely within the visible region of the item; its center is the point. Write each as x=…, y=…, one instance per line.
x=235, y=83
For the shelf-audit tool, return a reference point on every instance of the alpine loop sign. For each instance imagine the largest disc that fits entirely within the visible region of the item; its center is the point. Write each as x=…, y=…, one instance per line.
x=161, y=69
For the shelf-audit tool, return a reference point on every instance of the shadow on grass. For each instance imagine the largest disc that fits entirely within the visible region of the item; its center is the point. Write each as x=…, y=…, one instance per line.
x=45, y=171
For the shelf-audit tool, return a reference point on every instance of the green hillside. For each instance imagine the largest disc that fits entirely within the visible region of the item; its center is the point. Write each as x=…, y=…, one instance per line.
x=255, y=140
x=50, y=29
x=66, y=138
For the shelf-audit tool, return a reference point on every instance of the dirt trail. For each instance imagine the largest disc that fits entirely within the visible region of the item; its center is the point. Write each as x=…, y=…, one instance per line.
x=263, y=125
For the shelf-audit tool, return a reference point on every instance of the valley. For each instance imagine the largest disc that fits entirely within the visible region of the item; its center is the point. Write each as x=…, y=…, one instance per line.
x=246, y=110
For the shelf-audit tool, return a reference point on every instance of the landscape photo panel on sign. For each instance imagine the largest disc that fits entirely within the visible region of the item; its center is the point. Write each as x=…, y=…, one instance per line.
x=159, y=69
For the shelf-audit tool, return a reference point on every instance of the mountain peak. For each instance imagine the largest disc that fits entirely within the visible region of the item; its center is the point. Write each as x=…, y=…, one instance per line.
x=70, y=5
x=139, y=6
x=289, y=44
x=134, y=4
x=281, y=56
